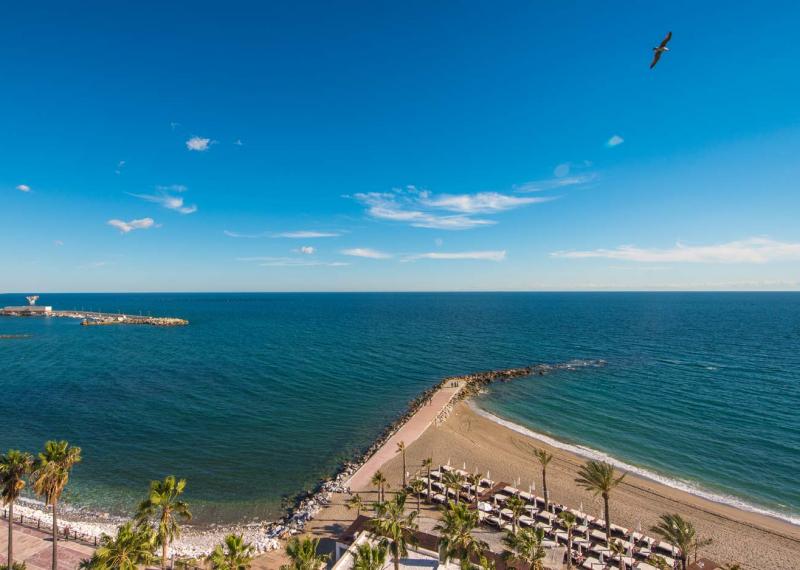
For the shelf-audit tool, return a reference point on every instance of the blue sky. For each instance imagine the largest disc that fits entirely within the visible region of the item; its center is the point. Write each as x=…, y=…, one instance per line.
x=398, y=146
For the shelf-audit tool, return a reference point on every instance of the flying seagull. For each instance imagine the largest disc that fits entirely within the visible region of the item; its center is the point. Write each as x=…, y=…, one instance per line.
x=657, y=51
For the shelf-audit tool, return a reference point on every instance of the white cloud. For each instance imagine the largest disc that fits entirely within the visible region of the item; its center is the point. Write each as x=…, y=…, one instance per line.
x=58, y=242
x=238, y=142
x=23, y=188
x=305, y=234
x=751, y=250
x=475, y=255
x=307, y=250
x=555, y=183
x=173, y=125
x=480, y=203
x=120, y=166
x=198, y=144
x=302, y=234
x=615, y=140
x=423, y=209
x=169, y=201
x=366, y=252
x=125, y=227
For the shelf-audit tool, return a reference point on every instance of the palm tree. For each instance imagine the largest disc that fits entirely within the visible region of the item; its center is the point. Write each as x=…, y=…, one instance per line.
x=233, y=554
x=50, y=476
x=544, y=458
x=659, y=562
x=526, y=547
x=164, y=507
x=475, y=481
x=132, y=547
x=486, y=564
x=517, y=507
x=457, y=541
x=427, y=463
x=379, y=481
x=369, y=557
x=15, y=465
x=396, y=528
x=568, y=521
x=417, y=487
x=303, y=554
x=618, y=549
x=680, y=532
x=356, y=503
x=453, y=480
x=401, y=448
x=599, y=478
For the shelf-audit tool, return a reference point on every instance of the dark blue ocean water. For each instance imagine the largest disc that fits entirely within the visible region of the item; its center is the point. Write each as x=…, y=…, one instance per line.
x=264, y=394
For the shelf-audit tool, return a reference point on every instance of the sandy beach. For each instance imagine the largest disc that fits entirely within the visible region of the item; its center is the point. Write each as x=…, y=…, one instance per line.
x=755, y=541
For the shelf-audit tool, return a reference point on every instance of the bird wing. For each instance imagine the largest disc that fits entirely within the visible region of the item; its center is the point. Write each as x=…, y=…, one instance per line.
x=666, y=39
x=656, y=57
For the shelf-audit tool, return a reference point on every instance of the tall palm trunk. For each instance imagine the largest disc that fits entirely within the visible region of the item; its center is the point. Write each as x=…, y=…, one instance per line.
x=544, y=489
x=569, y=549
x=608, y=519
x=11, y=534
x=55, y=536
x=164, y=555
x=404, y=468
x=396, y=562
x=429, y=484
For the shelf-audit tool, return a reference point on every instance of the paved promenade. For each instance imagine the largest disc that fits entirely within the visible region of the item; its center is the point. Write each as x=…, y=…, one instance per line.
x=35, y=548
x=408, y=434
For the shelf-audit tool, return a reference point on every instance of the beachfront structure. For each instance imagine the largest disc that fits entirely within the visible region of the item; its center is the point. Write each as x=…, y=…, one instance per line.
x=27, y=310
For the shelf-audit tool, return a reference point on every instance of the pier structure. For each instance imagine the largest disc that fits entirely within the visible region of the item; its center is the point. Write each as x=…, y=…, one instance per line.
x=89, y=318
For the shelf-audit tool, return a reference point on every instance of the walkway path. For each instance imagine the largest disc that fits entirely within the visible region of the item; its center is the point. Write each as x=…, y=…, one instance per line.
x=409, y=433
x=35, y=549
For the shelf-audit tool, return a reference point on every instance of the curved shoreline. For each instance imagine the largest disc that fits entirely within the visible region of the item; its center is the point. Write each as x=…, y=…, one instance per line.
x=590, y=453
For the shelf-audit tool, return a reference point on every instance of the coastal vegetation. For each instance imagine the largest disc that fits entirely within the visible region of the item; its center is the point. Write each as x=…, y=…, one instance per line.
x=50, y=476
x=568, y=522
x=369, y=557
x=401, y=449
x=131, y=548
x=395, y=528
x=302, y=553
x=457, y=541
x=233, y=554
x=544, y=458
x=678, y=531
x=379, y=481
x=526, y=546
x=15, y=466
x=600, y=478
x=164, y=509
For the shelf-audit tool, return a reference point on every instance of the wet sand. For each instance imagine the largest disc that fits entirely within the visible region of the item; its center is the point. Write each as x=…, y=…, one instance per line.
x=752, y=540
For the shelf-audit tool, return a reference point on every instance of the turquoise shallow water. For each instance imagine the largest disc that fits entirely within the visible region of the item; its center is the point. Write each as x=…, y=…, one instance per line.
x=264, y=394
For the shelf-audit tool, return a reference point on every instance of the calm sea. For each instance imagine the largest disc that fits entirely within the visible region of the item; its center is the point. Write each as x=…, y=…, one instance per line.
x=265, y=394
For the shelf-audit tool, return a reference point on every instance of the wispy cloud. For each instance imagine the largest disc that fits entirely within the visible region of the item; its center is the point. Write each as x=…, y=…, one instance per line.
x=198, y=144
x=301, y=234
x=306, y=250
x=165, y=195
x=291, y=262
x=366, y=252
x=424, y=209
x=238, y=142
x=751, y=250
x=555, y=183
x=125, y=227
x=615, y=140
x=23, y=188
x=120, y=166
x=475, y=255
x=58, y=242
